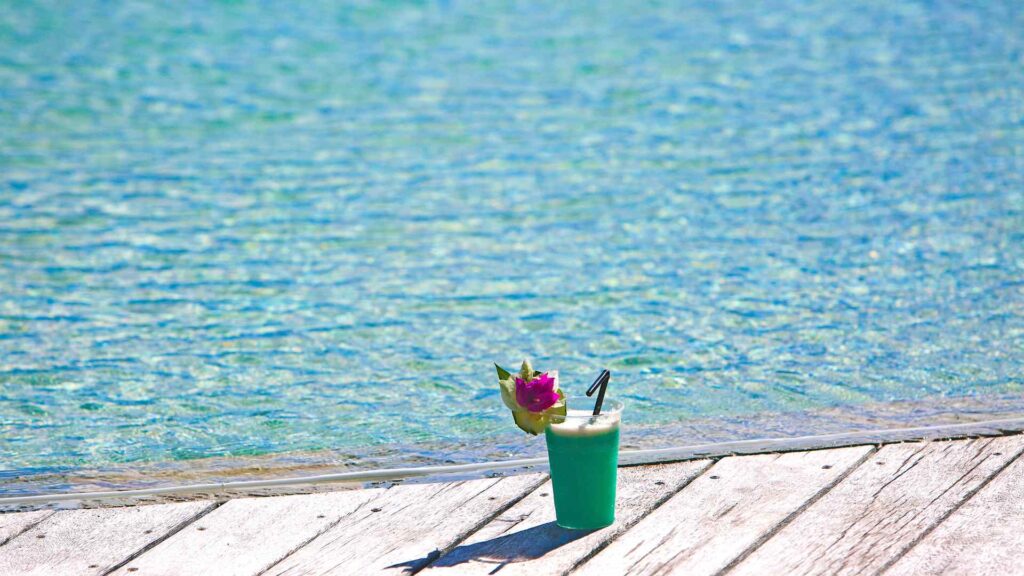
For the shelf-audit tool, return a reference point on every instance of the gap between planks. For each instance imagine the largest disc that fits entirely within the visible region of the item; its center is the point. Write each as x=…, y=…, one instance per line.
x=526, y=539
x=407, y=526
x=93, y=541
x=16, y=524
x=722, y=513
x=970, y=497
x=788, y=519
x=247, y=535
x=165, y=536
x=512, y=502
x=600, y=547
x=880, y=509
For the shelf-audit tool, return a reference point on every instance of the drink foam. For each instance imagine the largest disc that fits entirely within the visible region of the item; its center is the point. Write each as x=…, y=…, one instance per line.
x=584, y=423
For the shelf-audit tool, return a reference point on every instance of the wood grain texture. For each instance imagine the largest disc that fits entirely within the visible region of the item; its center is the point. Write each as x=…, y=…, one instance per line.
x=407, y=526
x=246, y=536
x=15, y=523
x=93, y=541
x=526, y=540
x=723, y=513
x=984, y=536
x=868, y=520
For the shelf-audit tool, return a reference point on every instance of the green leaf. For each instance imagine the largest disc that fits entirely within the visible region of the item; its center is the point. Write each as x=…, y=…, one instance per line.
x=502, y=373
x=535, y=422
x=561, y=409
x=531, y=422
x=508, y=393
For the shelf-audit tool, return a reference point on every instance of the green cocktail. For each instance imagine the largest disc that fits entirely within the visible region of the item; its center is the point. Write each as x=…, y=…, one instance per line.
x=583, y=451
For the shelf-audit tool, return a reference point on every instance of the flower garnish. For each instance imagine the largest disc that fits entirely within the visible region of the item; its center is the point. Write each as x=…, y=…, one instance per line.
x=538, y=394
x=532, y=396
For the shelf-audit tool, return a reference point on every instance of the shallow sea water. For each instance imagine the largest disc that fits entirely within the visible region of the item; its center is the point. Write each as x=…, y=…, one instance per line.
x=303, y=233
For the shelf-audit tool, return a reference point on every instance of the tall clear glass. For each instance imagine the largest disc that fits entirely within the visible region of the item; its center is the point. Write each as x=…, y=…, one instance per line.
x=583, y=451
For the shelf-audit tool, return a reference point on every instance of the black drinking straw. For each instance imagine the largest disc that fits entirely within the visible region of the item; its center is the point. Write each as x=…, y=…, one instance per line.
x=602, y=383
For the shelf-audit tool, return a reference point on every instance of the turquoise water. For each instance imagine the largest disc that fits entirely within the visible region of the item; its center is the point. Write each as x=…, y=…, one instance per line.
x=240, y=229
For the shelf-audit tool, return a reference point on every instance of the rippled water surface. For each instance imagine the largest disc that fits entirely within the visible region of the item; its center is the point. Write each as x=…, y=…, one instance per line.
x=238, y=229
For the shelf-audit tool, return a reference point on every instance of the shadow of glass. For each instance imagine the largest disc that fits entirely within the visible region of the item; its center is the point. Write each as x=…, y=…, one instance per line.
x=528, y=544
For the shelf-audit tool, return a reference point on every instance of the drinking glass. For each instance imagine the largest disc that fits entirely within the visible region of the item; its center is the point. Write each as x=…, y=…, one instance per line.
x=583, y=451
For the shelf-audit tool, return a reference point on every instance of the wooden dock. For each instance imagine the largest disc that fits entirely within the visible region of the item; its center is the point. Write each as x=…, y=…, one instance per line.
x=939, y=507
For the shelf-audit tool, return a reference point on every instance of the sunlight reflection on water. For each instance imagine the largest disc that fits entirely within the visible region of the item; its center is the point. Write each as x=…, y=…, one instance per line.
x=239, y=229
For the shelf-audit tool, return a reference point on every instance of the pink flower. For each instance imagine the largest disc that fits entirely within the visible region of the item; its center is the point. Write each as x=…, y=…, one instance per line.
x=538, y=394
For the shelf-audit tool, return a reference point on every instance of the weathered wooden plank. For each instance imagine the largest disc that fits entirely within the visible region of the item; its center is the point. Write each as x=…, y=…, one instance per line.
x=868, y=520
x=526, y=540
x=92, y=541
x=983, y=537
x=246, y=536
x=407, y=526
x=14, y=523
x=723, y=513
